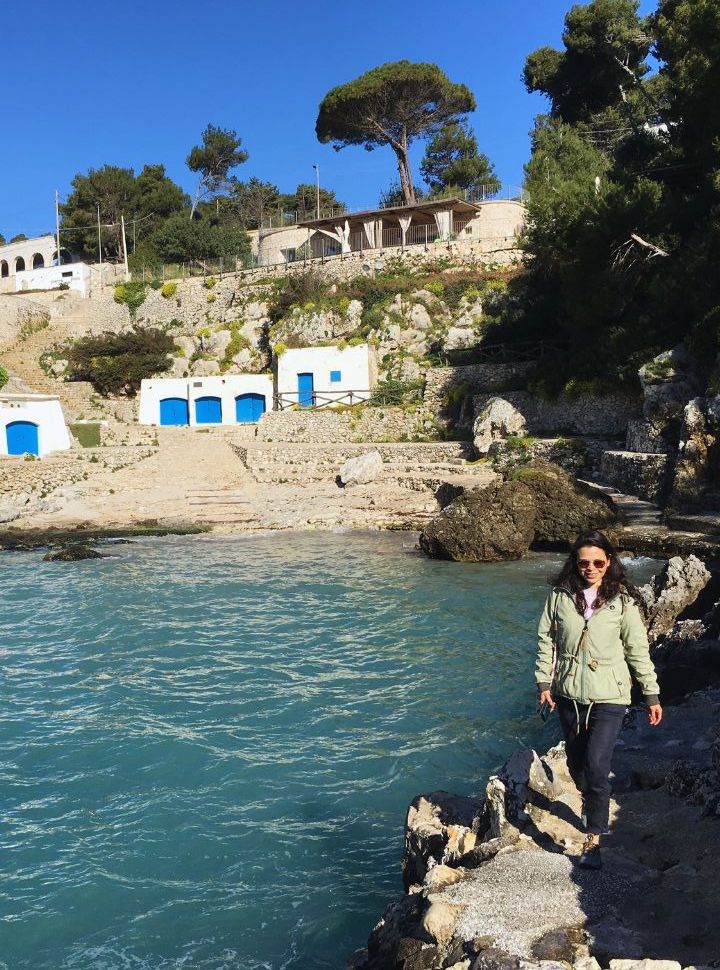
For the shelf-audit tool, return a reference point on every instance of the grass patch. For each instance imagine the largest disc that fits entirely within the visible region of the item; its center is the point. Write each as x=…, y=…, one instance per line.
x=88, y=435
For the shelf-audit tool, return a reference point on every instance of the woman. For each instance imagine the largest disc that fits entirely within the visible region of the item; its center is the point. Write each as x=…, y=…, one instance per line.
x=591, y=638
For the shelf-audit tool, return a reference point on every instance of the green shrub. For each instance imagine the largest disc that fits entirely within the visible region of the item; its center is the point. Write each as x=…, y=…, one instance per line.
x=155, y=284
x=211, y=298
x=131, y=294
x=297, y=291
x=169, y=290
x=435, y=286
x=279, y=349
x=4, y=376
x=117, y=362
x=209, y=282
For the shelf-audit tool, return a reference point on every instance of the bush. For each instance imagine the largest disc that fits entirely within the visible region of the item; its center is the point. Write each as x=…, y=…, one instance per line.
x=4, y=376
x=169, y=290
x=132, y=294
x=279, y=349
x=209, y=282
x=298, y=290
x=116, y=362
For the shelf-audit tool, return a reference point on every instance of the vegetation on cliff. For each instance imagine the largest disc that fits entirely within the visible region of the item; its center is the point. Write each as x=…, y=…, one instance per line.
x=624, y=191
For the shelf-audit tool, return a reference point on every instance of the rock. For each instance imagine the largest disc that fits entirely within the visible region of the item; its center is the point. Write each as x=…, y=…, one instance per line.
x=58, y=367
x=187, y=344
x=494, y=959
x=676, y=587
x=73, y=553
x=644, y=965
x=458, y=338
x=441, y=876
x=525, y=776
x=565, y=507
x=560, y=945
x=668, y=382
x=419, y=317
x=243, y=360
x=483, y=525
x=218, y=342
x=399, y=920
x=439, y=921
x=408, y=369
x=696, y=481
x=586, y=963
x=439, y=829
x=361, y=469
x=205, y=368
x=497, y=420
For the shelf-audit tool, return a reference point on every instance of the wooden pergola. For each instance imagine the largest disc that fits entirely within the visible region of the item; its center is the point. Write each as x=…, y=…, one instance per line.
x=398, y=226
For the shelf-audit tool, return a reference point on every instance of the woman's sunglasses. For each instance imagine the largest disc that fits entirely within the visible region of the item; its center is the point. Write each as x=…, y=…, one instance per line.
x=597, y=563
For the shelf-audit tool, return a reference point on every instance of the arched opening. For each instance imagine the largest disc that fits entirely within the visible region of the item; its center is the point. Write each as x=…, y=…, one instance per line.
x=19, y=264
x=174, y=410
x=65, y=257
x=22, y=438
x=208, y=410
x=249, y=407
x=38, y=261
x=4, y=269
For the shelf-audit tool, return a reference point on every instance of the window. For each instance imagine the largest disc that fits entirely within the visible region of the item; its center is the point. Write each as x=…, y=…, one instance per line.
x=335, y=376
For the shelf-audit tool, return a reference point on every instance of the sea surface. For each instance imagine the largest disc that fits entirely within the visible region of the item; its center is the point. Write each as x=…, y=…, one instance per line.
x=208, y=744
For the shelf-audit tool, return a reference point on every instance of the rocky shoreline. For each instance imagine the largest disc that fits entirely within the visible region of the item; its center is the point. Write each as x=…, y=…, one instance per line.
x=492, y=882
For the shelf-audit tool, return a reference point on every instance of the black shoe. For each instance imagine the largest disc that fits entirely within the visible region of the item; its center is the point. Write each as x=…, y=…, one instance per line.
x=590, y=857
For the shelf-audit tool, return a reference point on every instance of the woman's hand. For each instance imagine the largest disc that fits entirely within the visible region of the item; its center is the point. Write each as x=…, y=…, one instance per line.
x=654, y=714
x=547, y=698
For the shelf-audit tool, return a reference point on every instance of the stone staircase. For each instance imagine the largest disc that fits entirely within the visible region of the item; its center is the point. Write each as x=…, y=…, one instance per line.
x=21, y=358
x=421, y=465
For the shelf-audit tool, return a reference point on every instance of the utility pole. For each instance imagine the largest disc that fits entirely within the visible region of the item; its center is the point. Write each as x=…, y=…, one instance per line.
x=124, y=245
x=317, y=184
x=57, y=227
x=99, y=243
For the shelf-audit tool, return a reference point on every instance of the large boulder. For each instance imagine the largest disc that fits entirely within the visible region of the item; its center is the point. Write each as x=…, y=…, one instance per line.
x=483, y=525
x=565, y=506
x=498, y=419
x=674, y=588
x=538, y=502
x=361, y=469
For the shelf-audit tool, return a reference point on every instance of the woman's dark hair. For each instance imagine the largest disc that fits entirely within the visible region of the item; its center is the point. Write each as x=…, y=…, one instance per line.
x=614, y=581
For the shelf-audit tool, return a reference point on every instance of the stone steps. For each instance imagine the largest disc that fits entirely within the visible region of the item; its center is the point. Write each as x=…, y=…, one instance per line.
x=704, y=522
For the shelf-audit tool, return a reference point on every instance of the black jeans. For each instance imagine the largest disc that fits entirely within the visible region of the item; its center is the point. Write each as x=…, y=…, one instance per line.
x=589, y=745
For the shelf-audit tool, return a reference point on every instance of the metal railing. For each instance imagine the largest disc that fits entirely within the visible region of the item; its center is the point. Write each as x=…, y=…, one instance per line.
x=479, y=193
x=315, y=400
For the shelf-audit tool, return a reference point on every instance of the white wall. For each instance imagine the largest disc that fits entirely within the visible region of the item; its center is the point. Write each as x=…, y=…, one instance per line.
x=76, y=275
x=40, y=410
x=227, y=388
x=354, y=364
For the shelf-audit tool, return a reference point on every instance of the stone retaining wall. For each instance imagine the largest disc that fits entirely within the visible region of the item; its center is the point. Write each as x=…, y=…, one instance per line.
x=635, y=473
x=579, y=456
x=440, y=381
x=583, y=415
x=353, y=425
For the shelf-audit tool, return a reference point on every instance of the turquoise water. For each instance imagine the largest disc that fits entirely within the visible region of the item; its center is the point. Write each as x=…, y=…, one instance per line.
x=207, y=745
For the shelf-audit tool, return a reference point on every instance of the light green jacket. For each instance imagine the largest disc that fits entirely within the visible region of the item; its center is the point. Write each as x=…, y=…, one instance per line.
x=594, y=658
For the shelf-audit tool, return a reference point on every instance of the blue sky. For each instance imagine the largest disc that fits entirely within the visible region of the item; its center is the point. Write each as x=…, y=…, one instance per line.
x=136, y=82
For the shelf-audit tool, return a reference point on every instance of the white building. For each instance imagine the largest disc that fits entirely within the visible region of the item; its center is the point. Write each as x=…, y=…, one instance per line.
x=27, y=254
x=233, y=399
x=76, y=276
x=322, y=376
x=31, y=424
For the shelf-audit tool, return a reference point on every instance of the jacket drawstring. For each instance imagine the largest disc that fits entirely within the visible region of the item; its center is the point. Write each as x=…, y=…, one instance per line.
x=577, y=715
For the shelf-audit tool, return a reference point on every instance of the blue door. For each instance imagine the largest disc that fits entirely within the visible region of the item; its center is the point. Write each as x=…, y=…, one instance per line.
x=22, y=438
x=174, y=410
x=249, y=407
x=208, y=410
x=305, y=390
